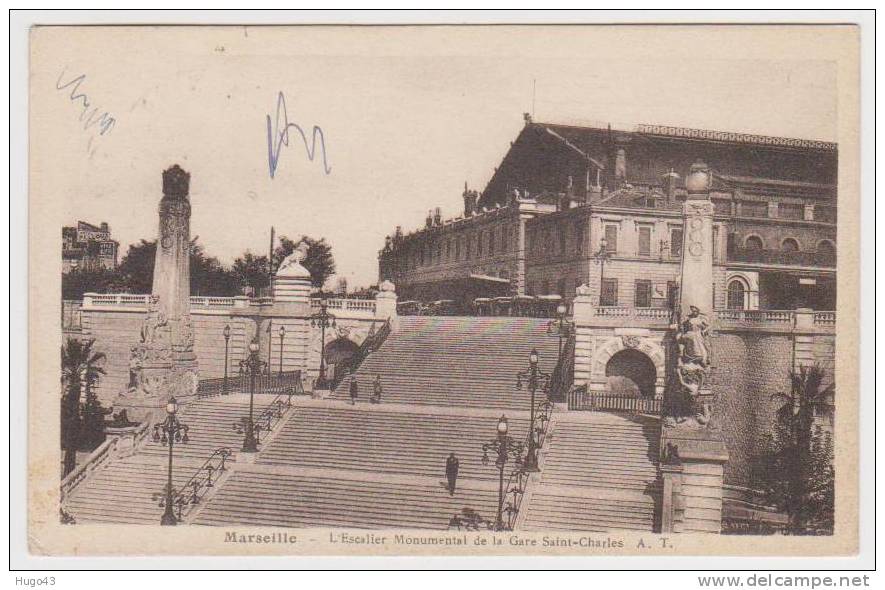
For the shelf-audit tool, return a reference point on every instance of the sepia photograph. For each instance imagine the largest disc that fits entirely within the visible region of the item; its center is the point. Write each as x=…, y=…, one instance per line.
x=443, y=290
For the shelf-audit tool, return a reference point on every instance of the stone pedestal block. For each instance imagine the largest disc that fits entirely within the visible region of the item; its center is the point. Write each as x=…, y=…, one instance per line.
x=692, y=471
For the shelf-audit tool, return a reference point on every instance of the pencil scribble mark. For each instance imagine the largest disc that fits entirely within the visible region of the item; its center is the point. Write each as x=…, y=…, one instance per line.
x=105, y=122
x=278, y=136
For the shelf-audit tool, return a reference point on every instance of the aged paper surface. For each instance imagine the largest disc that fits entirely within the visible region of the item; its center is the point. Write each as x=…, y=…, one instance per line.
x=210, y=136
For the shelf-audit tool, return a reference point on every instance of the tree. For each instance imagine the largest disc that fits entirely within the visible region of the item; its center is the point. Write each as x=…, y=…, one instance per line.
x=79, y=367
x=208, y=275
x=98, y=280
x=251, y=271
x=797, y=469
x=319, y=260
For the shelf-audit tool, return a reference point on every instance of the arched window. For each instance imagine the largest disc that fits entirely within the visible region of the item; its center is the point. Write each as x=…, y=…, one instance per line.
x=826, y=247
x=737, y=295
x=753, y=243
x=790, y=245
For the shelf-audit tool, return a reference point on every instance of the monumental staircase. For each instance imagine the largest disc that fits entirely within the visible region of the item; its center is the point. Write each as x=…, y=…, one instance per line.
x=599, y=472
x=466, y=362
x=328, y=463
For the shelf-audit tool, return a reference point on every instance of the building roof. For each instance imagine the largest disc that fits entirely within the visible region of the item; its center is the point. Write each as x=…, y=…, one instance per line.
x=545, y=155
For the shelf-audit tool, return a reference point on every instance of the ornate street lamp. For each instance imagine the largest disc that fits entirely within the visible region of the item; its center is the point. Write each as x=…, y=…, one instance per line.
x=169, y=432
x=602, y=256
x=282, y=335
x=534, y=378
x=226, y=349
x=560, y=327
x=505, y=448
x=253, y=365
x=322, y=319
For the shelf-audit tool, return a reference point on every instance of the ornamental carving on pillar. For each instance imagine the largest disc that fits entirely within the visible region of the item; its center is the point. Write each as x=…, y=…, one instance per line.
x=693, y=366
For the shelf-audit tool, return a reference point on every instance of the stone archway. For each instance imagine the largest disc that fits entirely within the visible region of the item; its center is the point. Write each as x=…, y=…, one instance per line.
x=339, y=350
x=643, y=344
x=631, y=372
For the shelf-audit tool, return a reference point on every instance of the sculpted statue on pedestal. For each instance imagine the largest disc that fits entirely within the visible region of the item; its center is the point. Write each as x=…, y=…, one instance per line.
x=693, y=366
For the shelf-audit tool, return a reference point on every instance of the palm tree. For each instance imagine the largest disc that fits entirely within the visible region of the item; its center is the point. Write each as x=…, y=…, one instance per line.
x=79, y=367
x=799, y=469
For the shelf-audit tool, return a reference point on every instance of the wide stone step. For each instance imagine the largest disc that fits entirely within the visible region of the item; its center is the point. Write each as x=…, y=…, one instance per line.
x=293, y=501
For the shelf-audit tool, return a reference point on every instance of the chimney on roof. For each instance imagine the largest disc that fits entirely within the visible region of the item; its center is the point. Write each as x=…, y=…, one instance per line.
x=104, y=226
x=470, y=198
x=670, y=180
x=428, y=221
x=437, y=216
x=620, y=165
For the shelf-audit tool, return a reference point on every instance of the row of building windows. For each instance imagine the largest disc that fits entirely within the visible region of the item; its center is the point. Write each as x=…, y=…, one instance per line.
x=737, y=293
x=554, y=240
x=754, y=242
x=468, y=247
x=644, y=243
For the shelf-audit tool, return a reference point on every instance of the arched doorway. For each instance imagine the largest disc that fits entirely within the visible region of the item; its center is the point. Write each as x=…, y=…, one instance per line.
x=630, y=372
x=338, y=351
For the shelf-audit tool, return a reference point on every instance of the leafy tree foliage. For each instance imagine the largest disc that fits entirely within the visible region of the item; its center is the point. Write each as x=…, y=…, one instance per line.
x=319, y=260
x=79, y=369
x=797, y=469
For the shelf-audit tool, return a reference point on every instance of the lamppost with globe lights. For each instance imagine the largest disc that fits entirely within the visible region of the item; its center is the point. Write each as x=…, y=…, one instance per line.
x=602, y=256
x=169, y=432
x=533, y=378
x=226, y=349
x=560, y=327
x=505, y=448
x=253, y=365
x=282, y=335
x=322, y=319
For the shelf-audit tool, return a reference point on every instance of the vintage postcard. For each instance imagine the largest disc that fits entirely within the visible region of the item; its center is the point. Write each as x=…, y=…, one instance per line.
x=443, y=290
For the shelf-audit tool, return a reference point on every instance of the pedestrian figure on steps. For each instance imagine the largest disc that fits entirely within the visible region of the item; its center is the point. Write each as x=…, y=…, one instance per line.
x=354, y=390
x=376, y=390
x=452, y=472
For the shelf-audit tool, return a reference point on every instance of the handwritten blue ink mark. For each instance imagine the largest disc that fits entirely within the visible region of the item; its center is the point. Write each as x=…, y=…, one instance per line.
x=278, y=136
x=104, y=121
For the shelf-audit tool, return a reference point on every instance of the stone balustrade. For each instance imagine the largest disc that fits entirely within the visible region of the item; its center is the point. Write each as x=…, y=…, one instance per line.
x=91, y=300
x=121, y=443
x=347, y=307
x=645, y=316
x=798, y=319
x=776, y=319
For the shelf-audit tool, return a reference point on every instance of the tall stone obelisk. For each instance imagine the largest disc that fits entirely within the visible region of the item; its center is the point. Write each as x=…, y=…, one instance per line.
x=692, y=447
x=163, y=364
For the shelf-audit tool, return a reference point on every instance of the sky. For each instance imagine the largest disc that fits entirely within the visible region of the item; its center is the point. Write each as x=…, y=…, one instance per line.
x=407, y=116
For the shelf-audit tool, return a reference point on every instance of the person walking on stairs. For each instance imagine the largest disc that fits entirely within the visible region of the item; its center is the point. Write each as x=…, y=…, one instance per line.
x=376, y=390
x=452, y=472
x=354, y=390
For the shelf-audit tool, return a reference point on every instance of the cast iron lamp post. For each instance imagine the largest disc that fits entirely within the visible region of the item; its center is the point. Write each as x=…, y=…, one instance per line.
x=322, y=319
x=254, y=366
x=534, y=378
x=226, y=348
x=282, y=335
x=560, y=327
x=169, y=432
x=602, y=256
x=505, y=448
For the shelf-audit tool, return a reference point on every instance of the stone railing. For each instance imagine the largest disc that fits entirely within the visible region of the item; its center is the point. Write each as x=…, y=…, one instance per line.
x=130, y=300
x=340, y=304
x=825, y=318
x=640, y=315
x=755, y=316
x=778, y=319
x=121, y=445
x=212, y=301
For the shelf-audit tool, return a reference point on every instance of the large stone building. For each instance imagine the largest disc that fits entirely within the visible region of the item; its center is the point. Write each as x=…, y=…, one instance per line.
x=88, y=247
x=538, y=226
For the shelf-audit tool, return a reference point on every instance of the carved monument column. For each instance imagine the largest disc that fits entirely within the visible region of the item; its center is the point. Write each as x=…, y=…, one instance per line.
x=693, y=451
x=163, y=364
